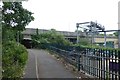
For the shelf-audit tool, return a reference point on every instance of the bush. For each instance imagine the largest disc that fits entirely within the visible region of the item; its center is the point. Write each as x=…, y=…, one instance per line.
x=50, y=37
x=84, y=41
x=14, y=58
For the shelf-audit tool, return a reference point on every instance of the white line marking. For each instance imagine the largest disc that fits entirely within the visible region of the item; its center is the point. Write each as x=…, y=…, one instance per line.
x=36, y=67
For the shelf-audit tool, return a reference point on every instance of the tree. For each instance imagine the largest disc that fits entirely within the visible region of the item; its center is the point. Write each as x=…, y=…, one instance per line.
x=14, y=17
x=14, y=58
x=79, y=31
x=115, y=33
x=51, y=37
x=14, y=55
x=84, y=41
x=37, y=32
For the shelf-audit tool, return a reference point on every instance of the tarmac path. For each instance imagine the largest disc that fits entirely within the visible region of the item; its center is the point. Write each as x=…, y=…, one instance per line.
x=43, y=65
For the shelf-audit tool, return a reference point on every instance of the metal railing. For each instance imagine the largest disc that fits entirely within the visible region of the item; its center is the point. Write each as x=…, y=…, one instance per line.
x=99, y=63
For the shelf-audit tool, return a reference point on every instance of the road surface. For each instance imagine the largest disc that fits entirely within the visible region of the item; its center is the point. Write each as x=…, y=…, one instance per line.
x=43, y=65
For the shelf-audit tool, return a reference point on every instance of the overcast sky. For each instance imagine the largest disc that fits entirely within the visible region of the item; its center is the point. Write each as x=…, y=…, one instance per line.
x=64, y=14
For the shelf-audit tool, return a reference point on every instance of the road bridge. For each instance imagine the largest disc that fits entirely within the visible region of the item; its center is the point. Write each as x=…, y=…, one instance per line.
x=71, y=36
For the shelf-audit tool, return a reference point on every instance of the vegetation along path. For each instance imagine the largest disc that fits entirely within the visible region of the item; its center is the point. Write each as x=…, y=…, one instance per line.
x=43, y=65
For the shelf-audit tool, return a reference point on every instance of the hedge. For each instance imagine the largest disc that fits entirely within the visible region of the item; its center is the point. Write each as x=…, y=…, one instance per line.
x=14, y=58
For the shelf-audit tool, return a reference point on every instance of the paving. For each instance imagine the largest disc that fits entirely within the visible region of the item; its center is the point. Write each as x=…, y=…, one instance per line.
x=43, y=65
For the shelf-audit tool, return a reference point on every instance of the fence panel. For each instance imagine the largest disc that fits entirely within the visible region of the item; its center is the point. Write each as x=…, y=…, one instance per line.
x=95, y=62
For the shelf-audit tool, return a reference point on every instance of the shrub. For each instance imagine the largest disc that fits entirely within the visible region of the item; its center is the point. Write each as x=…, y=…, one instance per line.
x=14, y=58
x=50, y=37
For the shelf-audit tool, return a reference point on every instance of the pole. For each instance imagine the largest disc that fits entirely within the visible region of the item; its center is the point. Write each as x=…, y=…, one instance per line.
x=91, y=33
x=105, y=39
x=77, y=25
x=119, y=24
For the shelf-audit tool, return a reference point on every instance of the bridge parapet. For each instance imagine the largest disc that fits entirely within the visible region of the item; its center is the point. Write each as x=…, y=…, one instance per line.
x=31, y=31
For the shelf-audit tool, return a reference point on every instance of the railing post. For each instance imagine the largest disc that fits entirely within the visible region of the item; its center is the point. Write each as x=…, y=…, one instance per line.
x=119, y=38
x=119, y=62
x=78, y=62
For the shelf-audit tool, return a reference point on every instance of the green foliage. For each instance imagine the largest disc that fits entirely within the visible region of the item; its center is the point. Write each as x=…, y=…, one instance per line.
x=14, y=55
x=14, y=58
x=84, y=41
x=8, y=35
x=110, y=34
x=51, y=37
x=15, y=16
x=101, y=34
x=79, y=31
x=115, y=33
x=37, y=32
x=97, y=47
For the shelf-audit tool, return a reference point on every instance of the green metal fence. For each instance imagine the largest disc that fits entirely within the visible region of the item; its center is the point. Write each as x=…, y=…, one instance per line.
x=99, y=63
